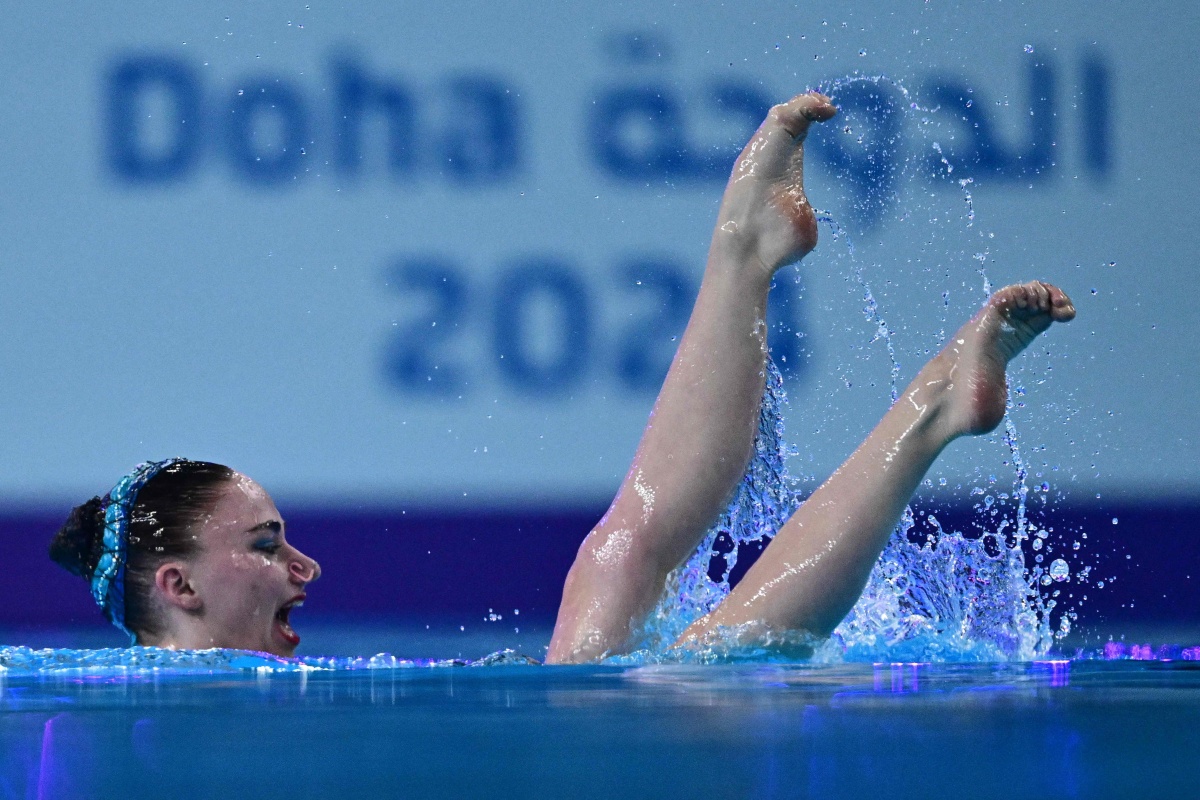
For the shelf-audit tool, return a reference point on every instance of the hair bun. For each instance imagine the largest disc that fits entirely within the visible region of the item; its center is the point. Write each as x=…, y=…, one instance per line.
x=77, y=545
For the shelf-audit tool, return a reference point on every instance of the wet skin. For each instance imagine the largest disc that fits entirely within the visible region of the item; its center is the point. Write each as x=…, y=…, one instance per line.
x=239, y=588
x=701, y=432
x=700, y=435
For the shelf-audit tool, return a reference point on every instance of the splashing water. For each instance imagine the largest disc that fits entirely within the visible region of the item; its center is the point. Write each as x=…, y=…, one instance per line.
x=951, y=597
x=943, y=595
x=764, y=500
x=870, y=304
x=134, y=661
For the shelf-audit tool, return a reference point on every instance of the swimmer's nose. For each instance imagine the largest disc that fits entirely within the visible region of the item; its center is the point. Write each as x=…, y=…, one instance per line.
x=304, y=569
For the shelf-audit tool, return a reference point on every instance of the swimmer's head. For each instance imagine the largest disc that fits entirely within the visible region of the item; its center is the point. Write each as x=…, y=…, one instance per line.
x=205, y=561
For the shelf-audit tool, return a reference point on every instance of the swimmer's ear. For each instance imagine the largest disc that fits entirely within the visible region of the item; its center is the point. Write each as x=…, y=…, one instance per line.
x=171, y=580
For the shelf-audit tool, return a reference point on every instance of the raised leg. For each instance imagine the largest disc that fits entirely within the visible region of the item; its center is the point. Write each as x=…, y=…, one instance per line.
x=699, y=437
x=811, y=575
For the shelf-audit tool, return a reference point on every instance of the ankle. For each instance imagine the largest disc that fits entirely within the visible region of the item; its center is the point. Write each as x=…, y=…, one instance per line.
x=735, y=252
x=930, y=395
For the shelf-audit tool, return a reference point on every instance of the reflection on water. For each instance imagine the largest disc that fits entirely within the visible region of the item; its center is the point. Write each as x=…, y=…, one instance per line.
x=1091, y=728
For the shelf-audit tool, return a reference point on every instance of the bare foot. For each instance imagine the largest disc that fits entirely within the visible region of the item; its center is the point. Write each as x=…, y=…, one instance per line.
x=764, y=207
x=975, y=359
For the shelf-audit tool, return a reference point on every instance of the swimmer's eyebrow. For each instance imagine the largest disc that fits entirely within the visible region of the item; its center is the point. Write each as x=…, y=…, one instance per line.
x=272, y=525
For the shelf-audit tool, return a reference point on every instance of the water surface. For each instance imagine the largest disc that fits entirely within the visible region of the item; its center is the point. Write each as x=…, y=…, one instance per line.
x=1055, y=728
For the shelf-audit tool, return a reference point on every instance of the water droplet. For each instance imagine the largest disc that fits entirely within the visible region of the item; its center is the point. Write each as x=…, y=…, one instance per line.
x=1114, y=520
x=1028, y=48
x=862, y=52
x=1059, y=570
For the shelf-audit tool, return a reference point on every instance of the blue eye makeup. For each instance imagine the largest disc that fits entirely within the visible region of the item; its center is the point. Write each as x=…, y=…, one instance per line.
x=271, y=536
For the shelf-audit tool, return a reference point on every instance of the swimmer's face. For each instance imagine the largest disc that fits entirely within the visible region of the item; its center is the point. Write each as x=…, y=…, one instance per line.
x=247, y=578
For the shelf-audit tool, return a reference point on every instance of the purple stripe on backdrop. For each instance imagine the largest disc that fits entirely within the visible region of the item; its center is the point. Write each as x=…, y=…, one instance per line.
x=381, y=566
x=375, y=564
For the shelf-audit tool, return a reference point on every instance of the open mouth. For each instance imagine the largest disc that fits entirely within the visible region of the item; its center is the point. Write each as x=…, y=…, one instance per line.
x=282, y=622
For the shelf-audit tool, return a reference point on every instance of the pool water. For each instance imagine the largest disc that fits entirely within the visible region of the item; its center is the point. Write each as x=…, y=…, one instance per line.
x=262, y=728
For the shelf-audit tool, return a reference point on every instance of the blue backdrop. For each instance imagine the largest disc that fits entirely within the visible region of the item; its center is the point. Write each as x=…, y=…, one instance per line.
x=419, y=269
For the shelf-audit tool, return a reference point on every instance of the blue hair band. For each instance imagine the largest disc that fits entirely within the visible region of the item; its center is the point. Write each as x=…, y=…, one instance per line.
x=108, y=579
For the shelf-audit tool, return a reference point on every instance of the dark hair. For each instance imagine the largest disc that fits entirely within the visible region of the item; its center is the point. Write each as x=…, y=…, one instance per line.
x=163, y=524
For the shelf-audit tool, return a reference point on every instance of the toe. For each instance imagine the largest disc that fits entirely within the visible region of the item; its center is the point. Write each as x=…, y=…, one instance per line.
x=1041, y=296
x=796, y=114
x=1057, y=296
x=1016, y=296
x=1062, y=309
